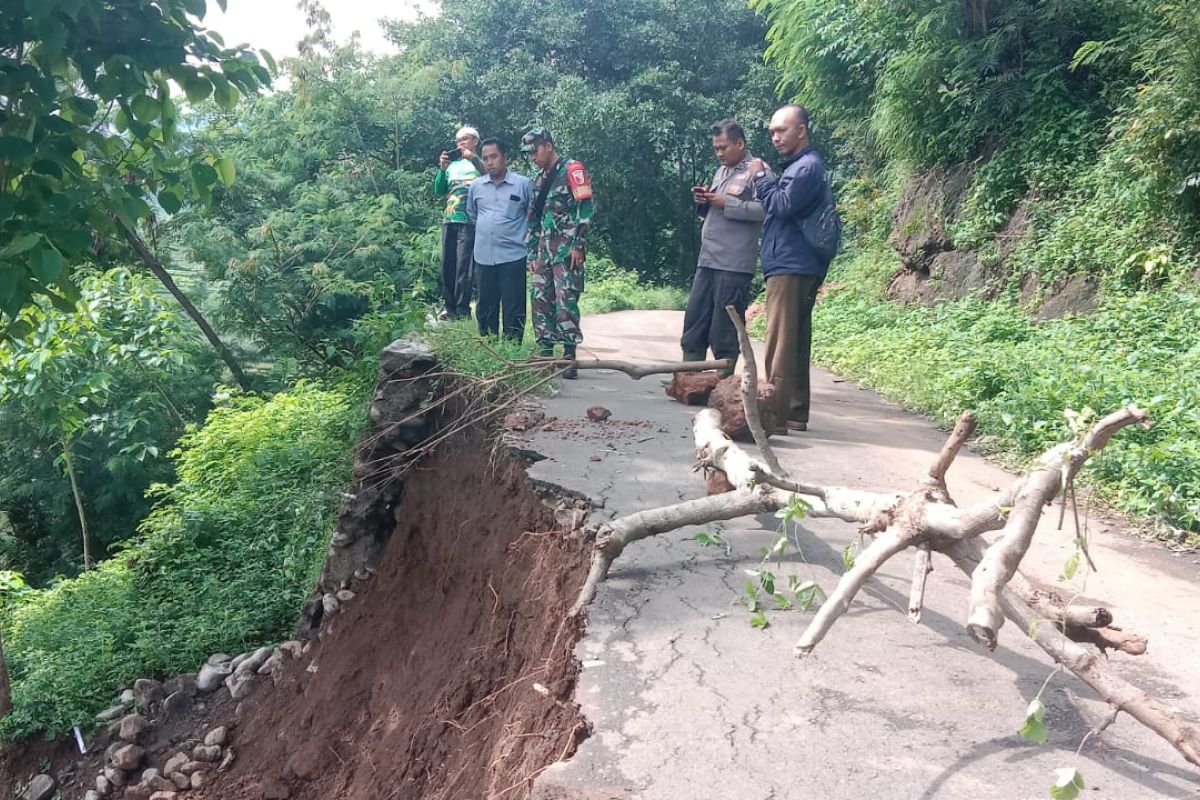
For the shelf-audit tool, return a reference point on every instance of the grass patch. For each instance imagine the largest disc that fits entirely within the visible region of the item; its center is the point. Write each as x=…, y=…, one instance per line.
x=1020, y=376
x=611, y=288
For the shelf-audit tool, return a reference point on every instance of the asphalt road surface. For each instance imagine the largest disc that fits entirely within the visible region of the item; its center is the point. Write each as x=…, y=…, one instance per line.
x=689, y=702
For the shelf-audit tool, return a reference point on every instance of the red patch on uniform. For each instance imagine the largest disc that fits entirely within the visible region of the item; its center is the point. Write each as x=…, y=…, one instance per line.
x=578, y=180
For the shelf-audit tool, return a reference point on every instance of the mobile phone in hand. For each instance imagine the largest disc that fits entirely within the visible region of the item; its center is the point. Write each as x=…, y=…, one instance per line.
x=455, y=153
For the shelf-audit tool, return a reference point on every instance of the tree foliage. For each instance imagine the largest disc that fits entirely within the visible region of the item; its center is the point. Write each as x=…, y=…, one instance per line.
x=88, y=123
x=1087, y=111
x=104, y=391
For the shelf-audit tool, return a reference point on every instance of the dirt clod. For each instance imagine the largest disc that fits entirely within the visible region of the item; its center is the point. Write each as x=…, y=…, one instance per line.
x=692, y=388
x=598, y=413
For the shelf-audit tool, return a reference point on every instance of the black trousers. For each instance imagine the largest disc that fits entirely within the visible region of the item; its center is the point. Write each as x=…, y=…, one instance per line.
x=705, y=323
x=458, y=279
x=501, y=287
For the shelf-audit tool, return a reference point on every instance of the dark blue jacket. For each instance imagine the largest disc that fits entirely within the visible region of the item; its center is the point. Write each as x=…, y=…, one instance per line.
x=788, y=200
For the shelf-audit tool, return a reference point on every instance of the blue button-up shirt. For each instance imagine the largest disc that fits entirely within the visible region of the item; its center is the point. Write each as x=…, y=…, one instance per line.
x=498, y=210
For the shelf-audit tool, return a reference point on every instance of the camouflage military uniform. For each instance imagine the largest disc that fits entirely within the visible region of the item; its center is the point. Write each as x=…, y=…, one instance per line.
x=555, y=285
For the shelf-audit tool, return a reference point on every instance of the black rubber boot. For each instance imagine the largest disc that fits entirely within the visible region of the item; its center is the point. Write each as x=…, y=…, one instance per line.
x=570, y=373
x=693, y=356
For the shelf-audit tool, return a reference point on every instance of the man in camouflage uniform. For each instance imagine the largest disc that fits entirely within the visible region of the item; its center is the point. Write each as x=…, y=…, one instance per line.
x=559, y=218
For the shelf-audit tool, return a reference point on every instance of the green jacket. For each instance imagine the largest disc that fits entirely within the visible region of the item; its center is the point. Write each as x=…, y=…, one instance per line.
x=453, y=183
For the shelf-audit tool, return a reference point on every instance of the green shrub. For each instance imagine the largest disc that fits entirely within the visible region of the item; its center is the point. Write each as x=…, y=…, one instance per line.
x=1020, y=375
x=222, y=563
x=611, y=288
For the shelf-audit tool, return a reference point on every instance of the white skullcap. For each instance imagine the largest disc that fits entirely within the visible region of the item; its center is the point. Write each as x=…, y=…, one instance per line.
x=466, y=130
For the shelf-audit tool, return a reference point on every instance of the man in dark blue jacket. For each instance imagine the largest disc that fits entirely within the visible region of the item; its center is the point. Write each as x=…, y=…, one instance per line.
x=792, y=268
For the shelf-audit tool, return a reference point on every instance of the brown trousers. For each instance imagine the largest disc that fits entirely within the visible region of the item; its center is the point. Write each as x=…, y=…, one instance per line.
x=790, y=301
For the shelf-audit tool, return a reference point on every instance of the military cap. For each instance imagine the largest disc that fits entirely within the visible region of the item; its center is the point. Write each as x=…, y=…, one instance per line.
x=533, y=137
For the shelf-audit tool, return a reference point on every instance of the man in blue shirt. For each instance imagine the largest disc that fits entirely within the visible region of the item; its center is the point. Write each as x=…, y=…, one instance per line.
x=498, y=207
x=792, y=267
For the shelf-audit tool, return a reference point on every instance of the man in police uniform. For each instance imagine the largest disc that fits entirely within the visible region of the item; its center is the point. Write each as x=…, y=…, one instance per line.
x=559, y=219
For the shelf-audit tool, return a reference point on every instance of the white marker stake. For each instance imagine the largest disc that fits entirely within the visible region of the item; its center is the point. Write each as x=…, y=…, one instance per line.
x=79, y=740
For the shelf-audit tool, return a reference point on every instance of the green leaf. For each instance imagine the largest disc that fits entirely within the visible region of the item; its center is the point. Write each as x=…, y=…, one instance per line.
x=270, y=59
x=226, y=171
x=848, y=557
x=19, y=329
x=759, y=620
x=204, y=175
x=768, y=582
x=1068, y=783
x=14, y=148
x=169, y=201
x=145, y=108
x=46, y=263
x=20, y=243
x=226, y=95
x=1071, y=567
x=45, y=166
x=197, y=88
x=83, y=107
x=1034, y=728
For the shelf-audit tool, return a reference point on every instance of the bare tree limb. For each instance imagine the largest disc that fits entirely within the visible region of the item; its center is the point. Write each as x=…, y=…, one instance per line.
x=750, y=394
x=639, y=371
x=1108, y=638
x=1058, y=467
x=958, y=437
x=1088, y=665
x=763, y=476
x=714, y=448
x=613, y=537
x=922, y=566
x=866, y=564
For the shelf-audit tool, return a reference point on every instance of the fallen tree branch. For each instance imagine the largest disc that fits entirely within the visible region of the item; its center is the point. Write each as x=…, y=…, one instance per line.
x=1059, y=466
x=867, y=563
x=716, y=450
x=1087, y=624
x=636, y=371
x=763, y=476
x=1108, y=638
x=750, y=394
x=928, y=520
x=1087, y=665
x=958, y=437
x=922, y=566
x=615, y=536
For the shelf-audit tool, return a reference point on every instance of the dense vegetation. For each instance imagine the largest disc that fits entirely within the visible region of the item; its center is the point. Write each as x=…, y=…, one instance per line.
x=1084, y=117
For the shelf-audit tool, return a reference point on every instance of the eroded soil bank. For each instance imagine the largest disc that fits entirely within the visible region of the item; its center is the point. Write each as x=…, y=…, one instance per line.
x=430, y=683
x=449, y=675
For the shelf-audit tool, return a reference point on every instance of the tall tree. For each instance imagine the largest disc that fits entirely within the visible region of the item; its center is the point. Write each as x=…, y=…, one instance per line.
x=88, y=125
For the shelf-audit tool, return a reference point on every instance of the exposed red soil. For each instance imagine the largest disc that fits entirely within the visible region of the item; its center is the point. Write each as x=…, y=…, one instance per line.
x=450, y=675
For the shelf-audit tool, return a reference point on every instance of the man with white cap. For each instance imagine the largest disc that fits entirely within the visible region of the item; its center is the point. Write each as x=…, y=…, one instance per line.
x=456, y=170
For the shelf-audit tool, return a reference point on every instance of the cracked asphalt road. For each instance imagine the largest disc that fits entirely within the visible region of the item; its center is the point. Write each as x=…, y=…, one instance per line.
x=688, y=701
